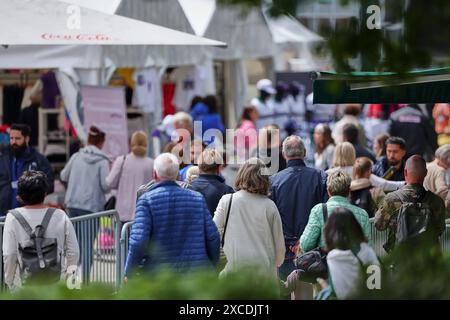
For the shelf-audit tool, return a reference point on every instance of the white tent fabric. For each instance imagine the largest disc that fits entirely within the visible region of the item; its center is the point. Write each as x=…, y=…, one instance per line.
x=106, y=6
x=286, y=29
x=46, y=57
x=199, y=13
x=166, y=13
x=80, y=64
x=41, y=22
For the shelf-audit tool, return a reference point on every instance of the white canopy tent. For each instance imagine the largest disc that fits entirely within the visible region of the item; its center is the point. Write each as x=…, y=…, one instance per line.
x=253, y=35
x=43, y=22
x=38, y=37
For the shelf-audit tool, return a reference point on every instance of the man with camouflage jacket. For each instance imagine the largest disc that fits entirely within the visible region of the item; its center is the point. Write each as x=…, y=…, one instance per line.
x=386, y=216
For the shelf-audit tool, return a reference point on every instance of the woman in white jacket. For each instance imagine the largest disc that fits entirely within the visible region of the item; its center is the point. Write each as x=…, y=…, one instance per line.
x=253, y=236
x=348, y=253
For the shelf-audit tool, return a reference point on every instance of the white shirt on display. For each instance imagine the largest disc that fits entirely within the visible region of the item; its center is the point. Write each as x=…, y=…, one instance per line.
x=146, y=85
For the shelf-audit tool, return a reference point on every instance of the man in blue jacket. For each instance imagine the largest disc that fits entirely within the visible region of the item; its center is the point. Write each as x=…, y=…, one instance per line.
x=295, y=191
x=173, y=227
x=15, y=159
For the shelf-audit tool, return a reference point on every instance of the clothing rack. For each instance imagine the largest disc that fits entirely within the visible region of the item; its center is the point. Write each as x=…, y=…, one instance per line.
x=23, y=79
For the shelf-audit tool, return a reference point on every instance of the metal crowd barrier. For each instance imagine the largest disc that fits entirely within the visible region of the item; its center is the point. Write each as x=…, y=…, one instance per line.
x=124, y=241
x=104, y=244
x=98, y=236
x=379, y=238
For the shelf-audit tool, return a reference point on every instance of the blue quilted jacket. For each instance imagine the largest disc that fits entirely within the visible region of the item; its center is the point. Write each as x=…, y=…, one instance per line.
x=172, y=228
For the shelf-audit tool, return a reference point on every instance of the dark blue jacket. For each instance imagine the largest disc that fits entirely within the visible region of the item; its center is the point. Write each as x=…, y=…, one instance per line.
x=381, y=166
x=32, y=160
x=360, y=151
x=212, y=187
x=172, y=228
x=295, y=191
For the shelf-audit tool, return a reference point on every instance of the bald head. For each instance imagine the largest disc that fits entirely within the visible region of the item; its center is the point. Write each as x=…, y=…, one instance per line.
x=415, y=170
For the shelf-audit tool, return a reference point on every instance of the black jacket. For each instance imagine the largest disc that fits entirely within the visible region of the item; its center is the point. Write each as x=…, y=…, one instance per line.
x=363, y=198
x=415, y=127
x=33, y=161
x=364, y=152
x=212, y=187
x=30, y=117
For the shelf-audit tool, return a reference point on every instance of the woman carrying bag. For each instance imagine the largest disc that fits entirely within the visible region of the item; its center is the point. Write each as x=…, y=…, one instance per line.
x=254, y=235
x=128, y=173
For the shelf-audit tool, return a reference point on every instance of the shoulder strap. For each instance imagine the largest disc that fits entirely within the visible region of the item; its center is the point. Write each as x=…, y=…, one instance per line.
x=121, y=169
x=16, y=214
x=46, y=220
x=325, y=212
x=421, y=198
x=355, y=253
x=401, y=197
x=226, y=220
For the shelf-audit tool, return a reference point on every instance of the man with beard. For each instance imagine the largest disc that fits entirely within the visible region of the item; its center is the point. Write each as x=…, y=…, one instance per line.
x=392, y=166
x=15, y=159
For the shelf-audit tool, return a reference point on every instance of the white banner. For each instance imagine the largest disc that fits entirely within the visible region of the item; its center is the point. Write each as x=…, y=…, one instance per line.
x=105, y=108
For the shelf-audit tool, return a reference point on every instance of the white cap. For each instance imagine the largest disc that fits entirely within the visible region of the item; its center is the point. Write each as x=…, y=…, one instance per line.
x=167, y=125
x=266, y=85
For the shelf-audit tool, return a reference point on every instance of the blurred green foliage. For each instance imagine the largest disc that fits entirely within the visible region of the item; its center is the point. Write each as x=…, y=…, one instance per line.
x=422, y=43
x=165, y=285
x=412, y=274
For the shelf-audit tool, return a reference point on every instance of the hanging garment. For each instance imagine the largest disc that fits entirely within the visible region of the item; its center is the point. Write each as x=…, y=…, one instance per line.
x=146, y=85
x=168, y=95
x=50, y=90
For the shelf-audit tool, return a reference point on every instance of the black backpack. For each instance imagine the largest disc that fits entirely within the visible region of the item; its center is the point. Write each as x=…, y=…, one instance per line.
x=413, y=220
x=313, y=264
x=38, y=255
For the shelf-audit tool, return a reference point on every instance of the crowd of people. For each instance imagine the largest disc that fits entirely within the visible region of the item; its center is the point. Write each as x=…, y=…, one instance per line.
x=194, y=200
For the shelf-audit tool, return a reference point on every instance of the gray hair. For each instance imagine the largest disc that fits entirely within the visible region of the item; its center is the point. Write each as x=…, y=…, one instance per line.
x=293, y=147
x=167, y=166
x=338, y=183
x=184, y=118
x=443, y=154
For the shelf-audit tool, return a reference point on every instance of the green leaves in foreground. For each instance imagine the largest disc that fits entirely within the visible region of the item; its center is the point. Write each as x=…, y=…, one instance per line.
x=412, y=274
x=202, y=285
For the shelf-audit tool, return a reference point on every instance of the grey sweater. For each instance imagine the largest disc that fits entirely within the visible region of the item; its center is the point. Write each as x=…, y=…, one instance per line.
x=86, y=174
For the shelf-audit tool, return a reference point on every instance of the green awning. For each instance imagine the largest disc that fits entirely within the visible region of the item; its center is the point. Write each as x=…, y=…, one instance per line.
x=422, y=86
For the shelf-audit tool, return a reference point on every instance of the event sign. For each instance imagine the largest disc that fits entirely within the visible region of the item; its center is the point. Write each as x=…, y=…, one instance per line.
x=105, y=108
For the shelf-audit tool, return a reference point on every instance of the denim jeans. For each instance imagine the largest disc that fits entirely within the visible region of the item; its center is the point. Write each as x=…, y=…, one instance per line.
x=86, y=235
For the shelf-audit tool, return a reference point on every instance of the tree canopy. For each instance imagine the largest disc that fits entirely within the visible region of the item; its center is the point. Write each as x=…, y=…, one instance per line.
x=423, y=40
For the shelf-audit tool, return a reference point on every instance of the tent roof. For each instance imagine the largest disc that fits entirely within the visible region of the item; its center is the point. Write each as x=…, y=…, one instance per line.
x=252, y=34
x=419, y=86
x=247, y=34
x=287, y=29
x=199, y=13
x=42, y=22
x=106, y=6
x=167, y=13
